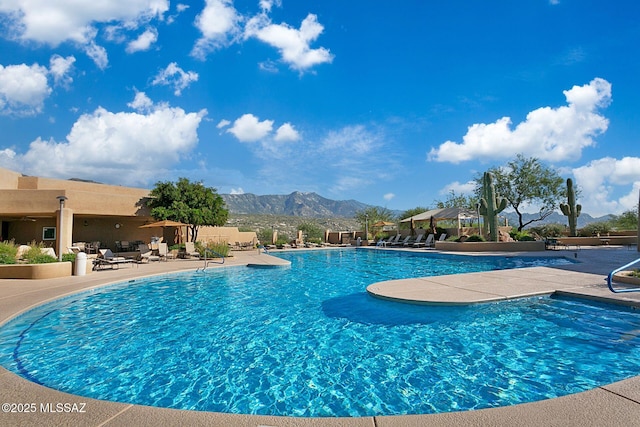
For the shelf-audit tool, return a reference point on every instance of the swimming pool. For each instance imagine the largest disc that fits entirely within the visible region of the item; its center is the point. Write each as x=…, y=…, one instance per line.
x=309, y=341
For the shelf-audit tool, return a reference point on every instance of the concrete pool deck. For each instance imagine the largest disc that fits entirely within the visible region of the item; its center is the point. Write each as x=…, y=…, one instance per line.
x=610, y=405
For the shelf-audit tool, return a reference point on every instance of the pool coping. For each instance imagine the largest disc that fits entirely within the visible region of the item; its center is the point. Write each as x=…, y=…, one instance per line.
x=612, y=404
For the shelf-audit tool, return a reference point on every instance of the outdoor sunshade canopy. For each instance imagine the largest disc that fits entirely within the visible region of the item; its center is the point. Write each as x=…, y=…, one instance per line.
x=164, y=223
x=442, y=214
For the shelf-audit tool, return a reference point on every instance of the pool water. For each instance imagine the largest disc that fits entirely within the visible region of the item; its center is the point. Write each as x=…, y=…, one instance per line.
x=309, y=341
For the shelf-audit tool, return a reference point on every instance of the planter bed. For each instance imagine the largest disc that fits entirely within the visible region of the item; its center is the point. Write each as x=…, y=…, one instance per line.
x=35, y=271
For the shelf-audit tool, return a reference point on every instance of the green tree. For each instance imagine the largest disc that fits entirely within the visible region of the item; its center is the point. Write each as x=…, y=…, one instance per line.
x=188, y=202
x=527, y=182
x=311, y=230
x=454, y=200
x=373, y=214
x=628, y=220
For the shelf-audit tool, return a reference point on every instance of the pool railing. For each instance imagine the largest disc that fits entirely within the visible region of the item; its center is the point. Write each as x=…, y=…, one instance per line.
x=610, y=278
x=207, y=261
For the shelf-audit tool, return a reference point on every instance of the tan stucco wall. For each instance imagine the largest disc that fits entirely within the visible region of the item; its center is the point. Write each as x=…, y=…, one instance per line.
x=8, y=179
x=35, y=271
x=225, y=234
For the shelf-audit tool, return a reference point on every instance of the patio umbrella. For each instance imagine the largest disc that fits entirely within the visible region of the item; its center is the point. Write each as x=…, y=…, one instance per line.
x=168, y=223
x=164, y=223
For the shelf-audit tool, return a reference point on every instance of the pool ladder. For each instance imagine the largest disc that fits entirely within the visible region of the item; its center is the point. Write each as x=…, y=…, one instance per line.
x=610, y=279
x=206, y=262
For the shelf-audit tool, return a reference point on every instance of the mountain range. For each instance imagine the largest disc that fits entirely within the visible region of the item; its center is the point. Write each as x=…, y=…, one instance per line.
x=297, y=203
x=312, y=205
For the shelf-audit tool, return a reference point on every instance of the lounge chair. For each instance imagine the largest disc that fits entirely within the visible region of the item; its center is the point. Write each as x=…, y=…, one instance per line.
x=164, y=253
x=396, y=243
x=146, y=254
x=108, y=258
x=429, y=242
x=442, y=238
x=415, y=243
x=190, y=250
x=392, y=240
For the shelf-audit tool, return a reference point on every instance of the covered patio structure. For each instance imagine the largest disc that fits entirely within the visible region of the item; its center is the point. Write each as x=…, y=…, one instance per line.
x=458, y=216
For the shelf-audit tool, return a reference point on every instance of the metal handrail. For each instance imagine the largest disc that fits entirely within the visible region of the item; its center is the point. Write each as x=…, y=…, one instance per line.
x=206, y=262
x=264, y=249
x=610, y=279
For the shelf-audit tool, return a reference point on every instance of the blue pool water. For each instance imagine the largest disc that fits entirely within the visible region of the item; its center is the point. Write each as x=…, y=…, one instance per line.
x=309, y=341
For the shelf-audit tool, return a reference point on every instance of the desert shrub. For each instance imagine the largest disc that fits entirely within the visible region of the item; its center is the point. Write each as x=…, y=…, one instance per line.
x=594, y=229
x=41, y=259
x=68, y=257
x=8, y=252
x=475, y=238
x=521, y=236
x=549, y=230
x=216, y=249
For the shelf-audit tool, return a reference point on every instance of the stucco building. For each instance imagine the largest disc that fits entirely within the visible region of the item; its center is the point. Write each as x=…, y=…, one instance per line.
x=60, y=213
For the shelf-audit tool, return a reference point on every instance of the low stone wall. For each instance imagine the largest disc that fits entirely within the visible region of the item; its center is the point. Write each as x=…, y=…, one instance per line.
x=490, y=246
x=35, y=271
x=598, y=241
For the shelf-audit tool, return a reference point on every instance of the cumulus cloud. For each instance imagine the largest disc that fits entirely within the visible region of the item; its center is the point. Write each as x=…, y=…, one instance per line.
x=138, y=145
x=219, y=24
x=144, y=41
x=23, y=89
x=598, y=179
x=389, y=196
x=547, y=133
x=293, y=44
x=176, y=77
x=286, y=132
x=141, y=102
x=237, y=191
x=223, y=123
x=249, y=128
x=55, y=22
x=60, y=68
x=467, y=188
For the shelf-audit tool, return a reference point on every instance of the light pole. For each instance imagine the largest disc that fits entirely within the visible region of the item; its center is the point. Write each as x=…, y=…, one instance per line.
x=61, y=199
x=366, y=227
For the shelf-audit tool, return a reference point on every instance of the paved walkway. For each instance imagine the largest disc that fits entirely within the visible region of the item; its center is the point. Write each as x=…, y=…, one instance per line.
x=612, y=405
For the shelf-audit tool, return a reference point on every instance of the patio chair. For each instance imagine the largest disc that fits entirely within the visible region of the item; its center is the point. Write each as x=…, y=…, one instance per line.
x=164, y=253
x=190, y=250
x=396, y=243
x=415, y=243
x=146, y=254
x=429, y=242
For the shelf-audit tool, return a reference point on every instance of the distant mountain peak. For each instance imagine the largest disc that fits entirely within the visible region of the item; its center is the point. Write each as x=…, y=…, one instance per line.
x=298, y=203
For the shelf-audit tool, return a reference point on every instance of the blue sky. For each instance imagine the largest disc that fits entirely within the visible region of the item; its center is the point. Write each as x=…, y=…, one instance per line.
x=391, y=104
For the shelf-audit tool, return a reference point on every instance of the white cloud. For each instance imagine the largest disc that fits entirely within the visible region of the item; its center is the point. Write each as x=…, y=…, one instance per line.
x=599, y=178
x=176, y=77
x=547, y=133
x=98, y=55
x=128, y=148
x=223, y=123
x=389, y=196
x=219, y=24
x=23, y=89
x=249, y=128
x=286, y=132
x=237, y=191
x=266, y=5
x=55, y=22
x=144, y=41
x=141, y=102
x=351, y=141
x=59, y=68
x=465, y=188
x=293, y=44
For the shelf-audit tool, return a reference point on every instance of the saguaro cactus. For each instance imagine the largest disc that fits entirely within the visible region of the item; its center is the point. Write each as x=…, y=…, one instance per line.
x=570, y=209
x=491, y=205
